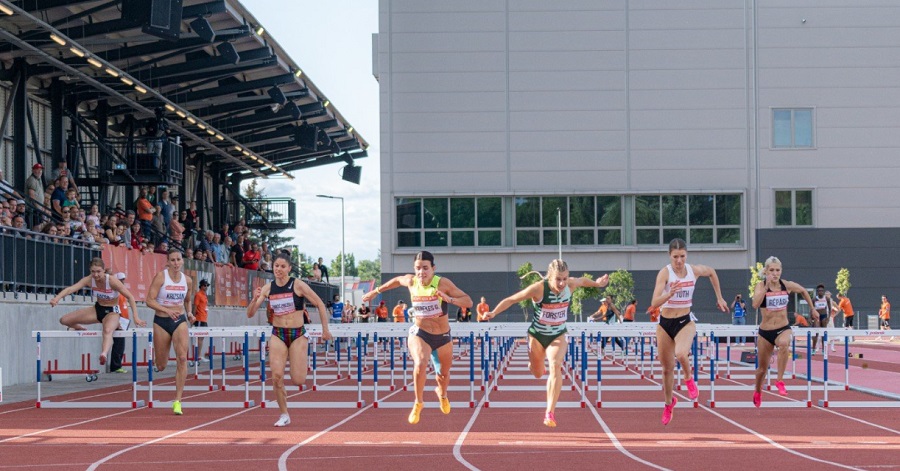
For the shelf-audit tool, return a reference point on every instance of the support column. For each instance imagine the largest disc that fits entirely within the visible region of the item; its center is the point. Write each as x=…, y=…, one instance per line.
x=20, y=125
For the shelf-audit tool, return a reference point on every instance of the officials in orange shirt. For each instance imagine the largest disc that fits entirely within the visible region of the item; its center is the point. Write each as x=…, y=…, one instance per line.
x=629, y=311
x=844, y=306
x=381, y=312
x=201, y=301
x=399, y=310
x=885, y=313
x=483, y=309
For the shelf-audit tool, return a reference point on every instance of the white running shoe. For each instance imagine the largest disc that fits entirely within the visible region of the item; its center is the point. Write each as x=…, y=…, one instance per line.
x=283, y=420
x=832, y=348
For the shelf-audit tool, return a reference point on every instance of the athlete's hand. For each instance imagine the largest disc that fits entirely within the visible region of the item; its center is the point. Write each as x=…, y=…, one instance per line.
x=722, y=305
x=326, y=334
x=54, y=302
x=257, y=292
x=191, y=318
x=139, y=322
x=367, y=297
x=174, y=314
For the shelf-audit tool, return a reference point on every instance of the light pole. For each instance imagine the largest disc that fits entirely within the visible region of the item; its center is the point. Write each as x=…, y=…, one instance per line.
x=343, y=254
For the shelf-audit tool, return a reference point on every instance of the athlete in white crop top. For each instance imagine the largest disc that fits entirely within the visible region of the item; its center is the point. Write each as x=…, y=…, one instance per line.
x=674, y=294
x=170, y=296
x=771, y=296
x=105, y=311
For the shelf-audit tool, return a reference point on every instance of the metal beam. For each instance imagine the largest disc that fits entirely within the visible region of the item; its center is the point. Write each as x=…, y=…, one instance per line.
x=235, y=88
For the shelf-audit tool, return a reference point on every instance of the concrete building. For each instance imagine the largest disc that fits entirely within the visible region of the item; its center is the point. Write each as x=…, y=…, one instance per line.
x=748, y=128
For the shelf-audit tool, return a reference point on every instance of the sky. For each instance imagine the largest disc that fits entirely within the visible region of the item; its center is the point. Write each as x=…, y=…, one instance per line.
x=332, y=42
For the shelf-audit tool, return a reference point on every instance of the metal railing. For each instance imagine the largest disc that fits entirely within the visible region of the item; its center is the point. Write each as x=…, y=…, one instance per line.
x=263, y=213
x=35, y=263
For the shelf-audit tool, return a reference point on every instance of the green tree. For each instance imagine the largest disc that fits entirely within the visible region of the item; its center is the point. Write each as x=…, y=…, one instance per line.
x=842, y=282
x=582, y=293
x=275, y=238
x=370, y=269
x=527, y=277
x=754, y=277
x=349, y=267
x=620, y=289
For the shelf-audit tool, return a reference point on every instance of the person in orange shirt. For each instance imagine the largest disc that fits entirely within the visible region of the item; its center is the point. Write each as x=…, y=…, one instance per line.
x=654, y=313
x=381, y=312
x=885, y=313
x=800, y=320
x=201, y=301
x=629, y=311
x=482, y=309
x=847, y=308
x=399, y=309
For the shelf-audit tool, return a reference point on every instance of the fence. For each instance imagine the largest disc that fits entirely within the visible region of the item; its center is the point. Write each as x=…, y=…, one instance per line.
x=31, y=262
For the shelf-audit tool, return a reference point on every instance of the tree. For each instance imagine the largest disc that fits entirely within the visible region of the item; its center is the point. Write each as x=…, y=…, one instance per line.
x=620, y=289
x=527, y=277
x=842, y=282
x=349, y=267
x=582, y=293
x=756, y=273
x=275, y=238
x=370, y=269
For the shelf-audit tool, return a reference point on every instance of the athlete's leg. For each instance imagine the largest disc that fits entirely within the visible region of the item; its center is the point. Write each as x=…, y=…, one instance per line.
x=75, y=319
x=162, y=342
x=666, y=361
x=278, y=353
x=683, y=343
x=556, y=352
x=764, y=351
x=110, y=324
x=299, y=355
x=419, y=351
x=783, y=343
x=536, y=355
x=180, y=340
x=445, y=358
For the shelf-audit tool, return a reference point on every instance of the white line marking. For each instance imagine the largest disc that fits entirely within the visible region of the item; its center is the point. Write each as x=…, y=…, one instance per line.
x=615, y=441
x=462, y=437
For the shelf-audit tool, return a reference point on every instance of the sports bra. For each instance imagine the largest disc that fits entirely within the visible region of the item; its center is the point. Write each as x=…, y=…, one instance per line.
x=283, y=300
x=777, y=300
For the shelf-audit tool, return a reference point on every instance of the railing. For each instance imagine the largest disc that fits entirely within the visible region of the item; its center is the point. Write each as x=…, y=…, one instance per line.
x=263, y=213
x=125, y=161
x=35, y=263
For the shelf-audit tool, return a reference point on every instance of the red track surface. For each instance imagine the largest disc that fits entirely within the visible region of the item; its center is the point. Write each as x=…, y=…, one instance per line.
x=483, y=438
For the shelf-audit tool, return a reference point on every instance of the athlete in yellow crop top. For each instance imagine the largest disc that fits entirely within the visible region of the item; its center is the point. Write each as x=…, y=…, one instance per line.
x=430, y=296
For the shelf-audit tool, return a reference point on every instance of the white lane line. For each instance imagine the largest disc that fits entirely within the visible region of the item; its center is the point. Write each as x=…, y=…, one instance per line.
x=615, y=441
x=462, y=437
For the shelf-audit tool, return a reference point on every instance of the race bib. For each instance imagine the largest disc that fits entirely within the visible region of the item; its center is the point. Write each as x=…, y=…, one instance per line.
x=554, y=314
x=426, y=306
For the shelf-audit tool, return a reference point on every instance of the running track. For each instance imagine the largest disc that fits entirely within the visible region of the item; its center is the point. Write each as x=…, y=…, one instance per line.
x=481, y=438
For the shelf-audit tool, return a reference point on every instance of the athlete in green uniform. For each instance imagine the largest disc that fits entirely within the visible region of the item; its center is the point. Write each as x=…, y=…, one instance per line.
x=546, y=334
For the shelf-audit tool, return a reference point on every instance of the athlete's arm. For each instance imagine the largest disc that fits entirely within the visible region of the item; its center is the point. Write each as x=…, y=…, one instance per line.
x=659, y=297
x=120, y=287
x=257, y=300
x=453, y=295
x=396, y=282
x=188, y=305
x=71, y=289
x=584, y=281
x=703, y=270
x=303, y=289
x=534, y=292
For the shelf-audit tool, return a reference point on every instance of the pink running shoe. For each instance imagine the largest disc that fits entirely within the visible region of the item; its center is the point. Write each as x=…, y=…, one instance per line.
x=693, y=392
x=667, y=411
x=781, y=389
x=757, y=398
x=550, y=419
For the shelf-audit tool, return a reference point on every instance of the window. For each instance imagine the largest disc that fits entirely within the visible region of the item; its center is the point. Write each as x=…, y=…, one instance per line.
x=793, y=208
x=449, y=222
x=698, y=219
x=792, y=128
x=585, y=220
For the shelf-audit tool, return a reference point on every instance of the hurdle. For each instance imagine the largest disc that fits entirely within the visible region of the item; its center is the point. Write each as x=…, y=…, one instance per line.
x=93, y=334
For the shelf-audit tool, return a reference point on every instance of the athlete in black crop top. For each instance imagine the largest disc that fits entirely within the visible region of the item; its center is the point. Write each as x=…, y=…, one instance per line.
x=772, y=296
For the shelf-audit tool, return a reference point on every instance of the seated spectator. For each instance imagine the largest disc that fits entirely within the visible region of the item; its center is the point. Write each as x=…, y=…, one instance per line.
x=201, y=256
x=71, y=199
x=62, y=170
x=51, y=232
x=137, y=235
x=59, y=195
x=93, y=218
x=111, y=229
x=19, y=223
x=188, y=253
x=119, y=210
x=162, y=248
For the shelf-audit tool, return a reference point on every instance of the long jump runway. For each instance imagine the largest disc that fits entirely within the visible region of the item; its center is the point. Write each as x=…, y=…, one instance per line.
x=495, y=434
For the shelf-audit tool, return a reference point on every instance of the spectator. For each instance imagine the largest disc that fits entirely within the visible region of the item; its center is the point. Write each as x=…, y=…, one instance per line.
x=34, y=184
x=349, y=311
x=381, y=312
x=128, y=221
x=200, y=314
x=337, y=310
x=800, y=320
x=137, y=235
x=168, y=209
x=189, y=254
x=151, y=195
x=176, y=233
x=93, y=219
x=162, y=248
x=205, y=243
x=324, y=271
x=144, y=211
x=62, y=170
x=237, y=252
x=71, y=200
x=109, y=230
x=157, y=129
x=219, y=249
x=739, y=308
x=462, y=314
x=482, y=309
x=59, y=195
x=193, y=224
x=19, y=223
x=225, y=232
x=159, y=226
x=884, y=314
x=316, y=272
x=251, y=257
x=399, y=311
x=266, y=263
x=365, y=313
x=119, y=210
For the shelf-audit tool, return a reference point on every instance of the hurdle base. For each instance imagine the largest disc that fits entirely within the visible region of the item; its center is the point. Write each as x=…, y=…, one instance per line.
x=205, y=405
x=89, y=405
x=317, y=405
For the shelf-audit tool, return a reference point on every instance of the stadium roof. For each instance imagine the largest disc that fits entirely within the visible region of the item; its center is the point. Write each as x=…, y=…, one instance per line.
x=230, y=89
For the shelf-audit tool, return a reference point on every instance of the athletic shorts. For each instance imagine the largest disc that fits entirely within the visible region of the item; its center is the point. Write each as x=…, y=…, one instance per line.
x=435, y=341
x=771, y=335
x=103, y=311
x=288, y=334
x=673, y=325
x=168, y=324
x=544, y=339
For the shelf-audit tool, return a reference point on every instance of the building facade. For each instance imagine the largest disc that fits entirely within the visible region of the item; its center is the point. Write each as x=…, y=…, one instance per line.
x=513, y=130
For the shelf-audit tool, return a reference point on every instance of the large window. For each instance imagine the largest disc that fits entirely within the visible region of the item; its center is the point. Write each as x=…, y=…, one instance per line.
x=585, y=220
x=574, y=221
x=449, y=222
x=793, y=208
x=792, y=128
x=698, y=219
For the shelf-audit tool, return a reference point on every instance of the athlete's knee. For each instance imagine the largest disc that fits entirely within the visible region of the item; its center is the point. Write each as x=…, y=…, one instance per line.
x=297, y=379
x=278, y=380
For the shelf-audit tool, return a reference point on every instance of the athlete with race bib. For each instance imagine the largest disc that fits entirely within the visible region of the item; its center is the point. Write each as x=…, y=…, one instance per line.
x=430, y=295
x=546, y=334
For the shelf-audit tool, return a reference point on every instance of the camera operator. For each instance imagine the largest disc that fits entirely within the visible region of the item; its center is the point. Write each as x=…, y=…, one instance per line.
x=739, y=316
